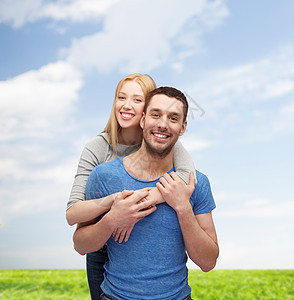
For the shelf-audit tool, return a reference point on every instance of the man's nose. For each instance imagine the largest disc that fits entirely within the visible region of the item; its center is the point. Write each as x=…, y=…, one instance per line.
x=162, y=123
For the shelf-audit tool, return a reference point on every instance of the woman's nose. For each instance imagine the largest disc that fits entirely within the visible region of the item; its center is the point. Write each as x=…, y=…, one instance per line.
x=127, y=104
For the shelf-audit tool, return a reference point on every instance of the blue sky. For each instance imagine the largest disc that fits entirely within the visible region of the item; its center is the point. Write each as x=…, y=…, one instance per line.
x=60, y=62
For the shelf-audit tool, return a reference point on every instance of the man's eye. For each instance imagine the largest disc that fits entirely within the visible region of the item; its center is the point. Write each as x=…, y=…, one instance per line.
x=155, y=115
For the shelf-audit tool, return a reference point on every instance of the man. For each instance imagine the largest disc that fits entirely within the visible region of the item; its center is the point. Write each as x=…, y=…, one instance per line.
x=152, y=263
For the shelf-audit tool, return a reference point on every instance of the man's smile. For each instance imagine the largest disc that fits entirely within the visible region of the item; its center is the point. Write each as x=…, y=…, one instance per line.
x=160, y=136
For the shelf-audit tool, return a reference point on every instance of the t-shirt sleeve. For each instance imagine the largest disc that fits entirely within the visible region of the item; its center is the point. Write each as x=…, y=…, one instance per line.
x=93, y=154
x=183, y=162
x=104, y=180
x=92, y=188
x=202, y=197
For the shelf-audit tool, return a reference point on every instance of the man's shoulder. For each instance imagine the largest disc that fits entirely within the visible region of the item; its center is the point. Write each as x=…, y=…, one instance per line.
x=106, y=173
x=109, y=165
x=106, y=178
x=202, y=197
x=201, y=178
x=202, y=187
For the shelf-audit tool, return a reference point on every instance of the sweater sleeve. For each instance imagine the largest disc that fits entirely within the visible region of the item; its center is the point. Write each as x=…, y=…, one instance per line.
x=183, y=162
x=94, y=153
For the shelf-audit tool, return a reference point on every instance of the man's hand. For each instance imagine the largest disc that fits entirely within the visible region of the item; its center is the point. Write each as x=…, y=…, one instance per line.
x=128, y=208
x=175, y=191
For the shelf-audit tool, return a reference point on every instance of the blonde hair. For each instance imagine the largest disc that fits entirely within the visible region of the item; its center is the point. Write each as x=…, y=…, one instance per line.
x=112, y=127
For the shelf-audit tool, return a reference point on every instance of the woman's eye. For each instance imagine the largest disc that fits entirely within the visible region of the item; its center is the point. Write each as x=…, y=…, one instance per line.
x=121, y=98
x=138, y=100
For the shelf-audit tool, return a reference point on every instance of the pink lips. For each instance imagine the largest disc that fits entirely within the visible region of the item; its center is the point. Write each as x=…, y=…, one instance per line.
x=126, y=116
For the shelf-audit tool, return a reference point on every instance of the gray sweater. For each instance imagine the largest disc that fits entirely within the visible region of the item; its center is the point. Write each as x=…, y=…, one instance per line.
x=98, y=151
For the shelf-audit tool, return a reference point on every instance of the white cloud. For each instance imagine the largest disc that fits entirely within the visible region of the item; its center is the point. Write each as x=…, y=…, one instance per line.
x=283, y=122
x=35, y=120
x=268, y=78
x=127, y=43
x=246, y=205
x=19, y=12
x=38, y=101
x=251, y=102
x=192, y=143
x=77, y=10
x=28, y=188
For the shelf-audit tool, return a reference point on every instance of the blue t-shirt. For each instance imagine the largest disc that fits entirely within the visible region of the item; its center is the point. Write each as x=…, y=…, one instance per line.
x=152, y=263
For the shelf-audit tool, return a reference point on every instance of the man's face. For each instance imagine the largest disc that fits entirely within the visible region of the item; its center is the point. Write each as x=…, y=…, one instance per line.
x=162, y=124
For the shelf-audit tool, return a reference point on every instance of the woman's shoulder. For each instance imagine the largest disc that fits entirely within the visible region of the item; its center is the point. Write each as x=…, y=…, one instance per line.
x=97, y=150
x=99, y=141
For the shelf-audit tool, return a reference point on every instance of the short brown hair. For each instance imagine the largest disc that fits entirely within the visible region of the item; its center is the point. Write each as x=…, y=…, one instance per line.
x=171, y=93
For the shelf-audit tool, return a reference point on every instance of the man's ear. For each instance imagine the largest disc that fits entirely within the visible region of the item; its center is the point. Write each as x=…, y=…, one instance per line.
x=183, y=129
x=142, y=120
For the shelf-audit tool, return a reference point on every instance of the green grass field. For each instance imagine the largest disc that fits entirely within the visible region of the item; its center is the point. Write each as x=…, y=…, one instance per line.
x=217, y=284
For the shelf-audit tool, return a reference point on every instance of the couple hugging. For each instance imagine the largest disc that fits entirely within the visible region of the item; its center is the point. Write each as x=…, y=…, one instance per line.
x=147, y=207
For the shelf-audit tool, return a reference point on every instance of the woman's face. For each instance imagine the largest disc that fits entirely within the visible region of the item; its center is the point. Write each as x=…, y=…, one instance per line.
x=129, y=105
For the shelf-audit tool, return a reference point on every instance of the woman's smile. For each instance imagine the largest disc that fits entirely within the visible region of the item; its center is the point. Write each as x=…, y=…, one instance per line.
x=126, y=115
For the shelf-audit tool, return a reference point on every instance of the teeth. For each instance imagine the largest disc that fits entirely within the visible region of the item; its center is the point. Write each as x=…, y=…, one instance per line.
x=160, y=135
x=126, y=115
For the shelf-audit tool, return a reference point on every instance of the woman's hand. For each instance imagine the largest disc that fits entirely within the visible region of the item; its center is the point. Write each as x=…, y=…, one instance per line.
x=155, y=194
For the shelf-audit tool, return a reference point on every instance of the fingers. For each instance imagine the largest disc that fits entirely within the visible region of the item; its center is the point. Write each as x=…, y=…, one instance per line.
x=167, y=179
x=148, y=188
x=163, y=181
x=122, y=236
x=119, y=234
x=175, y=176
x=126, y=193
x=129, y=230
x=143, y=213
x=192, y=179
x=161, y=188
x=146, y=204
x=138, y=195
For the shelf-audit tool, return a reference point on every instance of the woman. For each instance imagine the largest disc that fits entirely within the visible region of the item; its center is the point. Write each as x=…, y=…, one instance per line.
x=121, y=136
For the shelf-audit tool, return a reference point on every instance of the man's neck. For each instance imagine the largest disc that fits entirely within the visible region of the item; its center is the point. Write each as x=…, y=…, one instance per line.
x=146, y=166
x=130, y=136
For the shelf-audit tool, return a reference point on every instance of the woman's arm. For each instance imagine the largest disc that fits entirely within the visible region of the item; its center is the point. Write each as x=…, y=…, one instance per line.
x=83, y=211
x=78, y=210
x=183, y=162
x=90, y=237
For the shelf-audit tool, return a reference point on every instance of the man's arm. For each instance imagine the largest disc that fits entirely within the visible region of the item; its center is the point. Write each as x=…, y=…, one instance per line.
x=198, y=231
x=200, y=238
x=90, y=237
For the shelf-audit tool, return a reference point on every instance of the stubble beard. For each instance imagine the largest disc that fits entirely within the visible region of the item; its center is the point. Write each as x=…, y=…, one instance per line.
x=156, y=153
